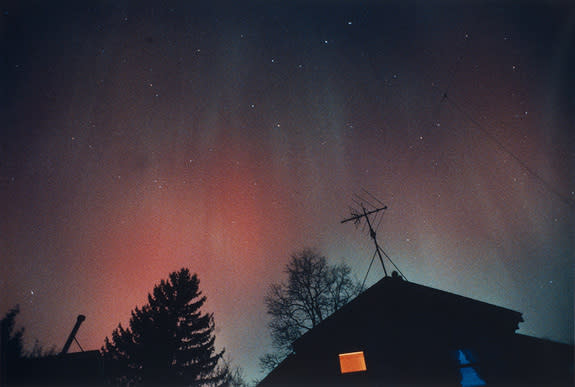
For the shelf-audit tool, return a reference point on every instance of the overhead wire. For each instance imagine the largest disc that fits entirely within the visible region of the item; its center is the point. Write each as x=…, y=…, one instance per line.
x=523, y=164
x=446, y=98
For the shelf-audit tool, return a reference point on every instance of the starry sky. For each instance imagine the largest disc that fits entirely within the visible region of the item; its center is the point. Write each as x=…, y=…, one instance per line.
x=141, y=137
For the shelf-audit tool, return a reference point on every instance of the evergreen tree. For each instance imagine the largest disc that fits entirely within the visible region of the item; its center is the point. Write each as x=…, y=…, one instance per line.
x=11, y=346
x=12, y=343
x=169, y=341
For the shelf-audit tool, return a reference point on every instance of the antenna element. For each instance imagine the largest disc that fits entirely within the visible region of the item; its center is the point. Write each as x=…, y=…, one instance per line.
x=358, y=215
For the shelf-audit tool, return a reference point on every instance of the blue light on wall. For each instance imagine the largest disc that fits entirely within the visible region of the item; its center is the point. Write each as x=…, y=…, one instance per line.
x=469, y=376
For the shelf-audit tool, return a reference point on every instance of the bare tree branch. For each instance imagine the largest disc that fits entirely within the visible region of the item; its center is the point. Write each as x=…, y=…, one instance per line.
x=313, y=291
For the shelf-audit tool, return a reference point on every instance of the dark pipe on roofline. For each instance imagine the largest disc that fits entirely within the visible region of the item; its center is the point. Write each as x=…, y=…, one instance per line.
x=79, y=321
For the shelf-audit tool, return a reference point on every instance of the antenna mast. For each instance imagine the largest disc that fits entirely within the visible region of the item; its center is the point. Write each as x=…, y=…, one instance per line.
x=357, y=216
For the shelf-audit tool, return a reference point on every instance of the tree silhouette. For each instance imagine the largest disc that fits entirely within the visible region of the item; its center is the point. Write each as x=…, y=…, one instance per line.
x=169, y=341
x=231, y=376
x=11, y=345
x=313, y=291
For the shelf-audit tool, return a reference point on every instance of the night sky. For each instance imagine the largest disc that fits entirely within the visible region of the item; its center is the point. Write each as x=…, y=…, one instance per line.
x=141, y=137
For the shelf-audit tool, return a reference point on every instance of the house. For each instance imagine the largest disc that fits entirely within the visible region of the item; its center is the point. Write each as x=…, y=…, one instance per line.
x=398, y=333
x=69, y=369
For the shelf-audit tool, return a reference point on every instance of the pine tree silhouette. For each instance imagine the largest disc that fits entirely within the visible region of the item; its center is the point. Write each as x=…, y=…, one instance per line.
x=169, y=341
x=11, y=347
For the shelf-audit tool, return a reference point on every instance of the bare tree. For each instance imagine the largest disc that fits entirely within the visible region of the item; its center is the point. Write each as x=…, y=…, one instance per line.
x=232, y=376
x=313, y=291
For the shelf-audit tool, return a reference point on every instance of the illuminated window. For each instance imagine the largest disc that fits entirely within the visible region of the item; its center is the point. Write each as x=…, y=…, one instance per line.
x=352, y=362
x=469, y=376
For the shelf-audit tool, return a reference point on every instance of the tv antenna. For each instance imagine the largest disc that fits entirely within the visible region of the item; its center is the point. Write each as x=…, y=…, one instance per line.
x=361, y=212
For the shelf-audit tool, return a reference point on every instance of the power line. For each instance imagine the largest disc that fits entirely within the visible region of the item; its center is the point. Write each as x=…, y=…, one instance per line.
x=445, y=97
x=494, y=139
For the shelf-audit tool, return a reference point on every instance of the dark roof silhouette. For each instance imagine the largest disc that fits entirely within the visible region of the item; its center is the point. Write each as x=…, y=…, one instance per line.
x=424, y=308
x=70, y=369
x=415, y=335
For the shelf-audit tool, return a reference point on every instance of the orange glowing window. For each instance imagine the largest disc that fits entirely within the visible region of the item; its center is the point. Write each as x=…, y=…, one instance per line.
x=352, y=362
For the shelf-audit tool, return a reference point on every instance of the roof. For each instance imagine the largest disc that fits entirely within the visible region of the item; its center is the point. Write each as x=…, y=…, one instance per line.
x=393, y=303
x=410, y=333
